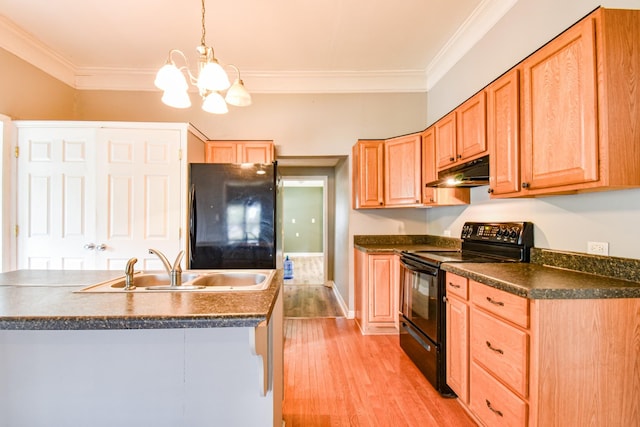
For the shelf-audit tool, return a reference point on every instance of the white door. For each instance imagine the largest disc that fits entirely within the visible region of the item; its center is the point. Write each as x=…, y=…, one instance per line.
x=138, y=196
x=56, y=198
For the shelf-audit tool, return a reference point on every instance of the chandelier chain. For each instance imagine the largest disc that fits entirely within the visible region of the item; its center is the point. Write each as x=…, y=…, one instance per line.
x=204, y=31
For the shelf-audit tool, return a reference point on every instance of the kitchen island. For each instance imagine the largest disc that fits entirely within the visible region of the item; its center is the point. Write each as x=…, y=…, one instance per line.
x=162, y=358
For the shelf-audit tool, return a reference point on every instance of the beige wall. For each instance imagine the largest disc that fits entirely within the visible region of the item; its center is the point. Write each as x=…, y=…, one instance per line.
x=28, y=93
x=300, y=124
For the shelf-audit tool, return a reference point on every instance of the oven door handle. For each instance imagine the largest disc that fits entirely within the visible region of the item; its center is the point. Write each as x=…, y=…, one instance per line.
x=432, y=271
x=415, y=336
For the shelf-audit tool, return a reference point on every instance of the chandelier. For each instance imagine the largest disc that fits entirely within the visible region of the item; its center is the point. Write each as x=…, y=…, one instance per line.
x=211, y=81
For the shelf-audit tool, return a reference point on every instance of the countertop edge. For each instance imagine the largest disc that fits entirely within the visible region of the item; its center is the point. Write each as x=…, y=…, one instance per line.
x=249, y=318
x=610, y=292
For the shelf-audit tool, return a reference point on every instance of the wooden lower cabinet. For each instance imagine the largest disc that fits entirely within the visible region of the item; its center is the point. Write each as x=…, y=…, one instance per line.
x=457, y=335
x=543, y=362
x=493, y=403
x=376, y=292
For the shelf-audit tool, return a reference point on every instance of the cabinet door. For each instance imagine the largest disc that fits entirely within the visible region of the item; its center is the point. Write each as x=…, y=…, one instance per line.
x=560, y=111
x=370, y=174
x=56, y=203
x=458, y=347
x=220, y=152
x=437, y=196
x=138, y=196
x=446, y=141
x=382, y=295
x=429, y=172
x=402, y=171
x=256, y=152
x=471, y=135
x=503, y=133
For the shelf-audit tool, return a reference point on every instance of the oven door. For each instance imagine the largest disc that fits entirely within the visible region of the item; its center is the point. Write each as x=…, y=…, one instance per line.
x=419, y=296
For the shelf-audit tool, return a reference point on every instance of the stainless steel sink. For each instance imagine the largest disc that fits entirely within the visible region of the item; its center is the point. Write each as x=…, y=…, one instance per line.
x=233, y=280
x=192, y=281
x=143, y=280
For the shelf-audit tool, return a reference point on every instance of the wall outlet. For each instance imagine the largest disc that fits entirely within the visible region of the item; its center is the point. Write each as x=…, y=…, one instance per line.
x=598, y=248
x=447, y=233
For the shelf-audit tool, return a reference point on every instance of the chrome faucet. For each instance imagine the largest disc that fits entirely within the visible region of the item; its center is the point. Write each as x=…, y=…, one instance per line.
x=128, y=274
x=175, y=272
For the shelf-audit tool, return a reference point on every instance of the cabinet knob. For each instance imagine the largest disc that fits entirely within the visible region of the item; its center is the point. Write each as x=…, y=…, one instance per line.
x=459, y=156
x=451, y=159
x=101, y=247
x=489, y=190
x=525, y=185
x=90, y=246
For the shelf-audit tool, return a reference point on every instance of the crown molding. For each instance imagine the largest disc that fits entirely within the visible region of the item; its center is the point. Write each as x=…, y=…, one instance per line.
x=269, y=81
x=481, y=20
x=25, y=46
x=22, y=44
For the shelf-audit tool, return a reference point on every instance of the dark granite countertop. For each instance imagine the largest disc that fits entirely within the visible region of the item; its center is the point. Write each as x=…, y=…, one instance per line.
x=536, y=281
x=551, y=274
x=44, y=299
x=398, y=243
x=383, y=248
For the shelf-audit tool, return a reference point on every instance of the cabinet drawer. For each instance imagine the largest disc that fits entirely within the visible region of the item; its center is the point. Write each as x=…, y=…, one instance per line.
x=501, y=348
x=493, y=403
x=508, y=306
x=457, y=285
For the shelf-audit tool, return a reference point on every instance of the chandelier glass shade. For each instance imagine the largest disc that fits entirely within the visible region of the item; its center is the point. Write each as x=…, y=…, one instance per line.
x=210, y=81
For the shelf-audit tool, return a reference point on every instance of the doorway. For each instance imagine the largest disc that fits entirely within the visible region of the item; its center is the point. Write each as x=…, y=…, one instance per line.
x=305, y=228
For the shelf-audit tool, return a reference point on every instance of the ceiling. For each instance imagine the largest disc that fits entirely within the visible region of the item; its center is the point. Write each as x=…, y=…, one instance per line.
x=280, y=46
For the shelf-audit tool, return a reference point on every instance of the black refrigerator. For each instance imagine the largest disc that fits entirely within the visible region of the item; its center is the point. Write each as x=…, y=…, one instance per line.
x=232, y=216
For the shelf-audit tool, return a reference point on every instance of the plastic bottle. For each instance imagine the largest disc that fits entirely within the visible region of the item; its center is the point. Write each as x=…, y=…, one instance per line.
x=288, y=268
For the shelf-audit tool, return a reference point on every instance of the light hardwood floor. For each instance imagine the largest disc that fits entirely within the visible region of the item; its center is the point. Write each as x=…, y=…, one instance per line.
x=310, y=301
x=334, y=376
x=308, y=269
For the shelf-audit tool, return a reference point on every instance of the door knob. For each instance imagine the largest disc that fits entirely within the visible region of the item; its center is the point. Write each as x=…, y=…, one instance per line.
x=101, y=247
x=90, y=246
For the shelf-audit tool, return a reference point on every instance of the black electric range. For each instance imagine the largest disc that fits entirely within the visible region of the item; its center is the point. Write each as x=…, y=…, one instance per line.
x=422, y=289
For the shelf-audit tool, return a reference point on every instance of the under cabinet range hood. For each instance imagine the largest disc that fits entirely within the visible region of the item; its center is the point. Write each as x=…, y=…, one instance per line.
x=473, y=173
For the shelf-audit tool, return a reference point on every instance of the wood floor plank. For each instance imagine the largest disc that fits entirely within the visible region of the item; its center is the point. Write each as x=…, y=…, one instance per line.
x=310, y=301
x=335, y=376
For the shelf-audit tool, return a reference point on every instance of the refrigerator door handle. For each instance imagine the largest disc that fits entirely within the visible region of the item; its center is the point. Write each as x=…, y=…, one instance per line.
x=193, y=221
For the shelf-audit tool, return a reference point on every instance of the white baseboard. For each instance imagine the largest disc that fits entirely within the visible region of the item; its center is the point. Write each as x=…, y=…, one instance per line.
x=343, y=306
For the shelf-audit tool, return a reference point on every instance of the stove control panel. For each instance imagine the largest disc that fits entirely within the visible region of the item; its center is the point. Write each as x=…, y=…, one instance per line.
x=517, y=233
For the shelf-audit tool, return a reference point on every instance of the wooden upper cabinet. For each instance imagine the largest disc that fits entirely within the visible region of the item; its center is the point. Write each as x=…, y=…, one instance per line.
x=445, y=134
x=461, y=135
x=368, y=169
x=220, y=152
x=472, y=131
x=437, y=196
x=560, y=111
x=503, y=134
x=580, y=121
x=239, y=152
x=402, y=171
x=429, y=173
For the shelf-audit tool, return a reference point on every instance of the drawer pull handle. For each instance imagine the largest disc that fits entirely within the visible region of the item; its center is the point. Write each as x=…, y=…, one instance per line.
x=494, y=302
x=497, y=350
x=453, y=285
x=495, y=411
